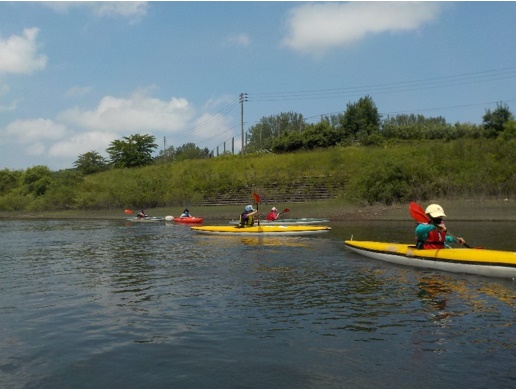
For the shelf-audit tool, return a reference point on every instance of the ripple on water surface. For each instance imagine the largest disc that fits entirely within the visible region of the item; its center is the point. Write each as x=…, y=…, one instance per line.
x=103, y=304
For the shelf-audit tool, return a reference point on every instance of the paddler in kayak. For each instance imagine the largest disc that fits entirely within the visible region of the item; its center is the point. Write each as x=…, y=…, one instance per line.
x=186, y=213
x=141, y=214
x=432, y=235
x=247, y=217
x=273, y=214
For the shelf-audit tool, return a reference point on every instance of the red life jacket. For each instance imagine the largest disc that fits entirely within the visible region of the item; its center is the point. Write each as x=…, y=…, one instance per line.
x=272, y=216
x=435, y=240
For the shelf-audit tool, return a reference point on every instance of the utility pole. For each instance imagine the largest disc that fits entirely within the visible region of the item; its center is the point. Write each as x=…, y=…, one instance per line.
x=243, y=97
x=165, y=148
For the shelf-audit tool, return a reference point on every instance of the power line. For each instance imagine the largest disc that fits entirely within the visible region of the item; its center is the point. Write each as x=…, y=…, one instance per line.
x=402, y=86
x=374, y=89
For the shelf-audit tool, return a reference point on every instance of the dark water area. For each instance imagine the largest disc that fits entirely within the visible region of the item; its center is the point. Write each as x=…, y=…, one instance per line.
x=110, y=304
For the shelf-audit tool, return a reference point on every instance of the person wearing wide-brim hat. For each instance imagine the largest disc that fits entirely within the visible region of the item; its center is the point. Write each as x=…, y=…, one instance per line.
x=247, y=217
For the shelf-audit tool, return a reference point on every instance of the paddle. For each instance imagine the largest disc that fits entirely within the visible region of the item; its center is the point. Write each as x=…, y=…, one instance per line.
x=284, y=211
x=128, y=211
x=257, y=201
x=419, y=215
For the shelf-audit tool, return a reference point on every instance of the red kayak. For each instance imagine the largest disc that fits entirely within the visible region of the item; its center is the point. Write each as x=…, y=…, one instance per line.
x=190, y=220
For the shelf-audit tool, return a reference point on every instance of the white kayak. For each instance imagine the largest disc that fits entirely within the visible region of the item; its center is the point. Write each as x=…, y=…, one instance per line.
x=288, y=222
x=147, y=219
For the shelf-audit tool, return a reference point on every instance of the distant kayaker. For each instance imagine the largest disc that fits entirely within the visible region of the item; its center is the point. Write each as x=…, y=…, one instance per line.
x=186, y=213
x=141, y=214
x=247, y=217
x=273, y=214
x=432, y=235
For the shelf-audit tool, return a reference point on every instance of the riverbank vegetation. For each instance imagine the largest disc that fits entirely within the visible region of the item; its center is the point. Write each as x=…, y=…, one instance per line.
x=353, y=158
x=360, y=175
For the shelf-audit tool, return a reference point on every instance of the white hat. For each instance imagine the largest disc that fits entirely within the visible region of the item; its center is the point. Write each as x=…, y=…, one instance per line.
x=435, y=210
x=274, y=209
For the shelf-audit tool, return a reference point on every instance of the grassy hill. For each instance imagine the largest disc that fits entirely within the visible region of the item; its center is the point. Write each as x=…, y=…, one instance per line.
x=360, y=175
x=355, y=175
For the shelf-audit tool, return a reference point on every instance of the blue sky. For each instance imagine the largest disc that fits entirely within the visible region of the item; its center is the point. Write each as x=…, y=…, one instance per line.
x=76, y=76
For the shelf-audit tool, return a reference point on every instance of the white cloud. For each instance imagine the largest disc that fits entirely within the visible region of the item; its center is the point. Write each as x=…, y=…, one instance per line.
x=77, y=131
x=240, y=39
x=81, y=143
x=137, y=113
x=35, y=149
x=18, y=54
x=60, y=6
x=31, y=131
x=4, y=91
x=132, y=10
x=33, y=134
x=78, y=91
x=318, y=27
x=121, y=8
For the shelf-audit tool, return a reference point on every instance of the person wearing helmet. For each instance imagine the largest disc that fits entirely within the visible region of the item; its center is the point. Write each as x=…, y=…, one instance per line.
x=247, y=217
x=432, y=235
x=186, y=213
x=273, y=214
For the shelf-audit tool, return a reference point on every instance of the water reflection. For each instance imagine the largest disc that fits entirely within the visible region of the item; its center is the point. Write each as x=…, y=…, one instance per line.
x=433, y=293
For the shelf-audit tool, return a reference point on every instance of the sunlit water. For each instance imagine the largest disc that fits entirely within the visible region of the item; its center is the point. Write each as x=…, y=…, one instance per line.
x=105, y=304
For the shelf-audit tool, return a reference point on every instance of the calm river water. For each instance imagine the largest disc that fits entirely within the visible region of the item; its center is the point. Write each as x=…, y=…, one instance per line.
x=106, y=304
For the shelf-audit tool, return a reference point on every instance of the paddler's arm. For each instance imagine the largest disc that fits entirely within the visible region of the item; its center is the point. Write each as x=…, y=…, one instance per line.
x=422, y=231
x=455, y=239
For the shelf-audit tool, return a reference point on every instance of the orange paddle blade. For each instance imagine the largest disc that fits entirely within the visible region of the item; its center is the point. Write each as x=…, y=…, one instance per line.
x=128, y=211
x=256, y=198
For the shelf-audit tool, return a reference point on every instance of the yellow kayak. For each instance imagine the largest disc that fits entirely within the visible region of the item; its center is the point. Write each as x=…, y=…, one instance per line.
x=492, y=263
x=261, y=230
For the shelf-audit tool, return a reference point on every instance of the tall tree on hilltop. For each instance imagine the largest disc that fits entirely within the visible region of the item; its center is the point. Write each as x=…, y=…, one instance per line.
x=494, y=122
x=133, y=151
x=361, y=119
x=90, y=162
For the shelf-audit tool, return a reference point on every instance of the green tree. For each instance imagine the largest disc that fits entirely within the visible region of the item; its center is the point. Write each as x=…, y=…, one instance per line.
x=509, y=131
x=494, y=121
x=262, y=135
x=61, y=193
x=36, y=180
x=190, y=151
x=90, y=162
x=166, y=155
x=361, y=119
x=133, y=151
x=9, y=179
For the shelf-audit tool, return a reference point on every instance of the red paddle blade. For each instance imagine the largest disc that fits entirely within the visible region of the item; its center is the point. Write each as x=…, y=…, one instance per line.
x=128, y=211
x=256, y=198
x=417, y=213
x=286, y=210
